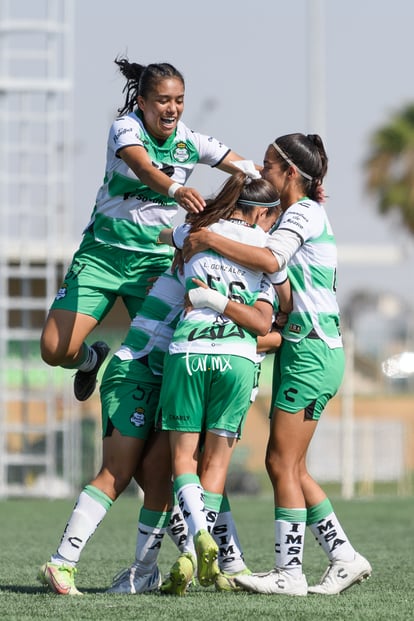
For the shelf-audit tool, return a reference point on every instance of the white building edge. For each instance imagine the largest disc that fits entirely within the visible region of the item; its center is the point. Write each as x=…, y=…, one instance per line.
x=39, y=426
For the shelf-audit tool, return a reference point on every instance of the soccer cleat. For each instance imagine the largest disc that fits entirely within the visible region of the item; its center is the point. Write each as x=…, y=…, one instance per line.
x=129, y=581
x=181, y=575
x=85, y=381
x=341, y=575
x=207, y=552
x=60, y=578
x=225, y=581
x=273, y=582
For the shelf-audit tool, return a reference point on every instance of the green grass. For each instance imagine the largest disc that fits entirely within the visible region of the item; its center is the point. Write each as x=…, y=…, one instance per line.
x=381, y=529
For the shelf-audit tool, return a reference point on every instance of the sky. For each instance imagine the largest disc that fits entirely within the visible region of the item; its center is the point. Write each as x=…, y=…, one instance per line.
x=249, y=78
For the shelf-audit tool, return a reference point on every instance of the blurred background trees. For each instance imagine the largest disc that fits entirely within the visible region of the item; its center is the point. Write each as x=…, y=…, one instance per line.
x=390, y=166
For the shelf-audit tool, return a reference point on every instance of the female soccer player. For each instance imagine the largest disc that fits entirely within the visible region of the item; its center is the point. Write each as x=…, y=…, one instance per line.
x=308, y=367
x=150, y=156
x=129, y=395
x=209, y=371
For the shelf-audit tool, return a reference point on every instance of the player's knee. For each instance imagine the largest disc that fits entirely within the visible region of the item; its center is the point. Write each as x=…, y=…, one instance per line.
x=59, y=351
x=111, y=482
x=274, y=466
x=54, y=356
x=269, y=463
x=50, y=356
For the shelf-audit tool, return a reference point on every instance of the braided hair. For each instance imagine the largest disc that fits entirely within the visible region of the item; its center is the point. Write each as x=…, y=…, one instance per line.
x=141, y=80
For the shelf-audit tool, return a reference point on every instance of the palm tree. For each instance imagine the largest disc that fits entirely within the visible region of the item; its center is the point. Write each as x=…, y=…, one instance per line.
x=390, y=166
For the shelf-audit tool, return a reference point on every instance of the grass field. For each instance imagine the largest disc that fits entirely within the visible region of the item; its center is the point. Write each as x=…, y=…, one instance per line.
x=381, y=529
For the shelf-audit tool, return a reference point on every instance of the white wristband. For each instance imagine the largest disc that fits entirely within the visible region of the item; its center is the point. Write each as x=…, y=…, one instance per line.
x=201, y=297
x=173, y=188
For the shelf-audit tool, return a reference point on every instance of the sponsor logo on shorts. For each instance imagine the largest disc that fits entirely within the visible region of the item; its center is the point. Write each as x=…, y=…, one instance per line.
x=195, y=363
x=178, y=417
x=138, y=417
x=290, y=394
x=62, y=292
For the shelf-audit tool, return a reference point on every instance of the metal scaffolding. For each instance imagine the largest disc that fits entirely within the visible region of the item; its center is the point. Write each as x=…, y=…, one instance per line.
x=39, y=434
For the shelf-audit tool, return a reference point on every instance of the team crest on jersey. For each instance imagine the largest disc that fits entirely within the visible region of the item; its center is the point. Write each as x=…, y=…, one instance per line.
x=62, y=292
x=180, y=152
x=138, y=417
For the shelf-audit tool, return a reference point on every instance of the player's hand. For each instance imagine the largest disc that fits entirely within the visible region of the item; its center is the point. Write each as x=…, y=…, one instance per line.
x=189, y=199
x=281, y=319
x=200, y=283
x=187, y=304
x=195, y=242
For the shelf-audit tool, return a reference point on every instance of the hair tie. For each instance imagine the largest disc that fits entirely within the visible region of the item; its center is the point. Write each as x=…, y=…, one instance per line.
x=258, y=203
x=289, y=161
x=249, y=169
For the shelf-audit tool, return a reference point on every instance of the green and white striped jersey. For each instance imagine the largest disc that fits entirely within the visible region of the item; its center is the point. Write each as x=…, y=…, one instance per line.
x=127, y=213
x=312, y=274
x=203, y=330
x=152, y=328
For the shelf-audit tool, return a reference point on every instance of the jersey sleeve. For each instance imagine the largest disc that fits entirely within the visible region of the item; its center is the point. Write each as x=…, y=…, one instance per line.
x=179, y=235
x=267, y=291
x=305, y=218
x=278, y=278
x=211, y=151
x=124, y=132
